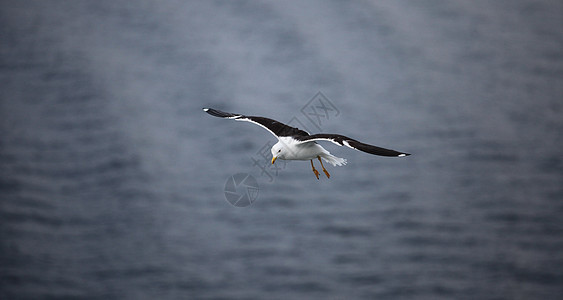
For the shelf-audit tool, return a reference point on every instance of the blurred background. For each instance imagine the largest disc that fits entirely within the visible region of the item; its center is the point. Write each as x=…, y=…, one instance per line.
x=112, y=177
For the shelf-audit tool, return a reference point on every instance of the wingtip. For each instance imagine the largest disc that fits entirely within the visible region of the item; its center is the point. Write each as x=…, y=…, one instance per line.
x=220, y=114
x=404, y=154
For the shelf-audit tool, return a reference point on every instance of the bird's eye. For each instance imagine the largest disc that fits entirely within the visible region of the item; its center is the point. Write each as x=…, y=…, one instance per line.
x=279, y=151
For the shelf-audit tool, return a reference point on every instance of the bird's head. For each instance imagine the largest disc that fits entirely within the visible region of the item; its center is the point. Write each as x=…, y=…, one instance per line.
x=278, y=151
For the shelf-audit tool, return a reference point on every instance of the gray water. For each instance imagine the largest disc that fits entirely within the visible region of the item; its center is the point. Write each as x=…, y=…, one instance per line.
x=112, y=177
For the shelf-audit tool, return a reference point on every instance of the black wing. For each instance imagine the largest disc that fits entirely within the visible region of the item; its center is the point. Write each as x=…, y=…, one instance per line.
x=351, y=143
x=274, y=127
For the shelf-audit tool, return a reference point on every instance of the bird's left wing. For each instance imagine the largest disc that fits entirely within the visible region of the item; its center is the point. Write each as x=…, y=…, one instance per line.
x=341, y=140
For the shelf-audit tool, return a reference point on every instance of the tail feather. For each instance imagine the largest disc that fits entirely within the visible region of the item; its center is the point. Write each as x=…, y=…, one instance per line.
x=335, y=161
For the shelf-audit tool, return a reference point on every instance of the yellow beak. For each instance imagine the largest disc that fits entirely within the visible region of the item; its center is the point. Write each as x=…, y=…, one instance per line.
x=274, y=159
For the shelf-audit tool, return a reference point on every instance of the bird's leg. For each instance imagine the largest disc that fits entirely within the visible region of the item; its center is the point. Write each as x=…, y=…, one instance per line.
x=314, y=170
x=324, y=170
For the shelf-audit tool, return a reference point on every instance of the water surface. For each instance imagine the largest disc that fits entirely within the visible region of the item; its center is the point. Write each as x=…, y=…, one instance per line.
x=112, y=177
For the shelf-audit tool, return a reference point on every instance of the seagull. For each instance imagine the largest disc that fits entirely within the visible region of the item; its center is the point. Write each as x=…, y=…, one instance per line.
x=296, y=144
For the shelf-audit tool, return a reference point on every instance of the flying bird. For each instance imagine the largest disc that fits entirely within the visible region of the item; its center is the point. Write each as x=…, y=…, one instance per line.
x=296, y=144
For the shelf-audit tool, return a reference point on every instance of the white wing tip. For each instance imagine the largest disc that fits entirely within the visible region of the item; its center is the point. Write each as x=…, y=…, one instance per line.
x=205, y=109
x=403, y=155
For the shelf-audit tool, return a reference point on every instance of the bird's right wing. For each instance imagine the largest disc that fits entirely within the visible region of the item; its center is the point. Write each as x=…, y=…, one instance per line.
x=276, y=128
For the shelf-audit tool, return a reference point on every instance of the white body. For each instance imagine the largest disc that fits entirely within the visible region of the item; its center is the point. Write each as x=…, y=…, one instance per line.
x=289, y=149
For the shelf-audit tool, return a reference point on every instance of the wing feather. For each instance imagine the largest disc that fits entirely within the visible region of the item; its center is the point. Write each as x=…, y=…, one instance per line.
x=341, y=140
x=278, y=129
